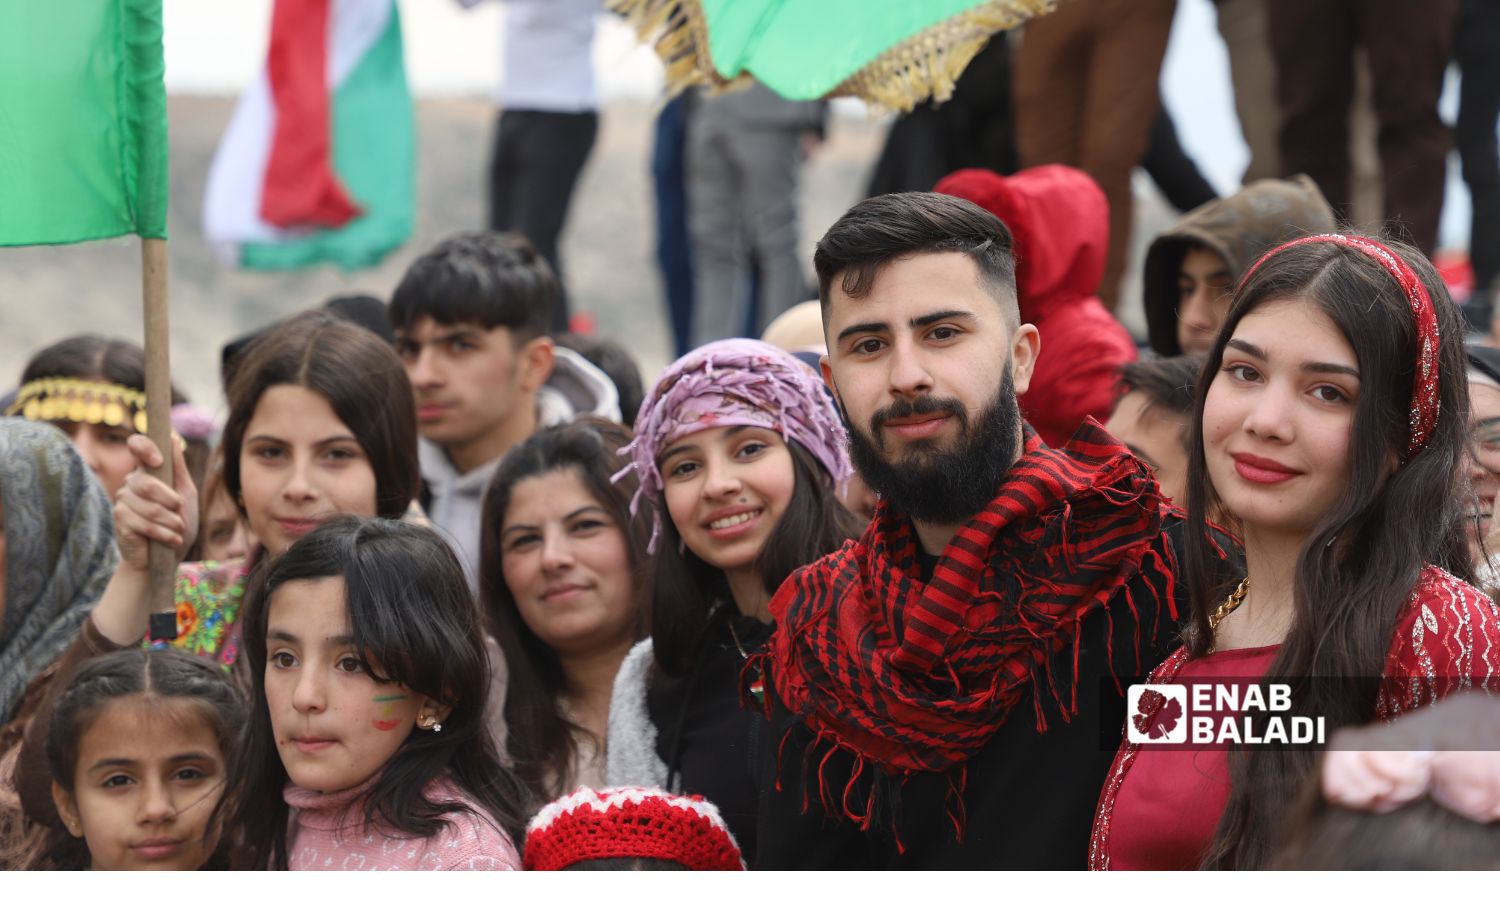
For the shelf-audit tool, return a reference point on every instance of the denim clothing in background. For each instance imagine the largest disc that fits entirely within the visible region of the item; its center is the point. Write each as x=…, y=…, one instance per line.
x=674, y=250
x=744, y=155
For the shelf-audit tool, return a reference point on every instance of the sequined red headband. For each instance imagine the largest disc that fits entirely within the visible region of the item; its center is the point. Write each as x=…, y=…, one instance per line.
x=1425, y=403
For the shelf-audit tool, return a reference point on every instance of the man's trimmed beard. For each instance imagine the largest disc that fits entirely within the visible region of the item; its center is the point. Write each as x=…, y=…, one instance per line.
x=935, y=485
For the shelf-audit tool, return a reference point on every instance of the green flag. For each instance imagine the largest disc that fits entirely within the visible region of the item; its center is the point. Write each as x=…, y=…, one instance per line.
x=83, y=121
x=893, y=53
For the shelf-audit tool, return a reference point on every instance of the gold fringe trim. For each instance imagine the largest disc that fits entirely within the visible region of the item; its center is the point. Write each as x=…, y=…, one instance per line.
x=924, y=65
x=928, y=64
x=679, y=33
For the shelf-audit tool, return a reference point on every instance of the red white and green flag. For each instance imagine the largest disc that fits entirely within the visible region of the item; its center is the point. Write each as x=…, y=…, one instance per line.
x=318, y=162
x=83, y=121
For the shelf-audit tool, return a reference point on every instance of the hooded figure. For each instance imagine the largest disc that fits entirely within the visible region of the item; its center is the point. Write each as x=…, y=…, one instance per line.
x=1059, y=220
x=1234, y=231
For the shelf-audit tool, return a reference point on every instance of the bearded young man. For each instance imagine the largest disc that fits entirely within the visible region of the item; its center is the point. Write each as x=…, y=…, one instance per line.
x=942, y=693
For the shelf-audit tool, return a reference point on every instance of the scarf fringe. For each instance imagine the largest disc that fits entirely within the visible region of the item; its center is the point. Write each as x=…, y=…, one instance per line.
x=880, y=806
x=910, y=677
x=876, y=805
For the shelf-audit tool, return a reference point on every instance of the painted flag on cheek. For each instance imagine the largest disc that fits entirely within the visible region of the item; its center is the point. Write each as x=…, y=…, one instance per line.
x=83, y=121
x=318, y=162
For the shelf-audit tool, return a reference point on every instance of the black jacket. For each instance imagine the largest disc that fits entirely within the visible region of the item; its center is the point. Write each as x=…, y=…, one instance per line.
x=710, y=742
x=1030, y=796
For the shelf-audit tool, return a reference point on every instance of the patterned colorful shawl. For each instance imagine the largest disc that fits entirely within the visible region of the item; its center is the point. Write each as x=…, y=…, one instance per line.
x=59, y=551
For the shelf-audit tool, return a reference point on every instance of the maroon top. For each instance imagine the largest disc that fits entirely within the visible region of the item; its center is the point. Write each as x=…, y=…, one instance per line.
x=1446, y=639
x=1174, y=796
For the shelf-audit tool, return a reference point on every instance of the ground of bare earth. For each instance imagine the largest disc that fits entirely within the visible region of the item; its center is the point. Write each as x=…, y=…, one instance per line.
x=47, y=293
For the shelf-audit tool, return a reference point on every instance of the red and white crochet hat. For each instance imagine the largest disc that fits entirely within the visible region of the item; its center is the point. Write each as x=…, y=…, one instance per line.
x=630, y=822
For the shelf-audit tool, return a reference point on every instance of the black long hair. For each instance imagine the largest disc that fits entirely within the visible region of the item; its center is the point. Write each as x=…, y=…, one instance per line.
x=689, y=596
x=94, y=685
x=539, y=740
x=1359, y=565
x=413, y=618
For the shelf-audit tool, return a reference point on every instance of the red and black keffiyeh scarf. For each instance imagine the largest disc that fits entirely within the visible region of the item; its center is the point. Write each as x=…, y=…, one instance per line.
x=913, y=677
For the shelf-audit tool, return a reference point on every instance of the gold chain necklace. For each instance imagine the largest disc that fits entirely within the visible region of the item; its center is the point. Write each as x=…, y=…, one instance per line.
x=1230, y=604
x=737, y=645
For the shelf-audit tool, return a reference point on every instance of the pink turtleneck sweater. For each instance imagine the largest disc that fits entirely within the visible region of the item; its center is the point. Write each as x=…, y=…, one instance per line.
x=316, y=842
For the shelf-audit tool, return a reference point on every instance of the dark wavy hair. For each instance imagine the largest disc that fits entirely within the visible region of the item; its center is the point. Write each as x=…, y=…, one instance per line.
x=1358, y=567
x=413, y=618
x=93, y=356
x=539, y=740
x=362, y=379
x=689, y=597
x=90, y=689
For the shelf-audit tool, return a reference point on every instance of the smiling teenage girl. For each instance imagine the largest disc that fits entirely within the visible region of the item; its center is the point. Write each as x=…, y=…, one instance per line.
x=367, y=746
x=1330, y=426
x=321, y=423
x=742, y=449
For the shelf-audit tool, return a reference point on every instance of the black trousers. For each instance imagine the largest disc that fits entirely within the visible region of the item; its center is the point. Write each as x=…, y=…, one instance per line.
x=537, y=160
x=1476, y=47
x=1408, y=46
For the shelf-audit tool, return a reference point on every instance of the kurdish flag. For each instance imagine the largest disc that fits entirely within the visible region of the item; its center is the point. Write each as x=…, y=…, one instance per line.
x=83, y=121
x=318, y=162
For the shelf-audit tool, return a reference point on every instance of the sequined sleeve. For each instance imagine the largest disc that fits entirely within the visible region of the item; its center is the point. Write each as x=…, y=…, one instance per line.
x=1447, y=640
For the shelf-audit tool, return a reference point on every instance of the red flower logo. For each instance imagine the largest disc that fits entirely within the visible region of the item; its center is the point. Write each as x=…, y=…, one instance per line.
x=1156, y=715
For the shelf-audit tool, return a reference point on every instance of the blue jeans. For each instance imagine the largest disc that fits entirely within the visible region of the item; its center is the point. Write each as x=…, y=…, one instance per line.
x=674, y=249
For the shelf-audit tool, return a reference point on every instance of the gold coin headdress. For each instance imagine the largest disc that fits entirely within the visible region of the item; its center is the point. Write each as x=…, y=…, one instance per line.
x=79, y=400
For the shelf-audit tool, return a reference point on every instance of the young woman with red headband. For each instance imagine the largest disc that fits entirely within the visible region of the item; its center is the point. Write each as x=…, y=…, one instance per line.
x=1330, y=426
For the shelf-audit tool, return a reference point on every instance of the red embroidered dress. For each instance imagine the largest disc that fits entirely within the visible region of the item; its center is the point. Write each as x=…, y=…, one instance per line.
x=1447, y=639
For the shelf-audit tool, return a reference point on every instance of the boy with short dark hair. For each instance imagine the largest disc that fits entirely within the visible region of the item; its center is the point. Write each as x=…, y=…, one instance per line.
x=471, y=317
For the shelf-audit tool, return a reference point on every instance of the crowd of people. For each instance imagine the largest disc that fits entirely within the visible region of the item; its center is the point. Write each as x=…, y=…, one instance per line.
x=456, y=589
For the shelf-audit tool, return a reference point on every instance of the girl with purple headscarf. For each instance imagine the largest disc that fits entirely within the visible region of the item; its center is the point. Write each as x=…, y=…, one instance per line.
x=740, y=453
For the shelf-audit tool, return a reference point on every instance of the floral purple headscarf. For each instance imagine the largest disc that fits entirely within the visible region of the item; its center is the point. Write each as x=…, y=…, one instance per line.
x=728, y=383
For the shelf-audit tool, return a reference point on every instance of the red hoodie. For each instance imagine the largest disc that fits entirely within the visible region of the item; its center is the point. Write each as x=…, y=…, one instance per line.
x=1060, y=222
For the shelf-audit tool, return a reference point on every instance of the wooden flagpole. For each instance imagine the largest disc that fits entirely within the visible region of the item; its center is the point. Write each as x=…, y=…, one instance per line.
x=163, y=561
